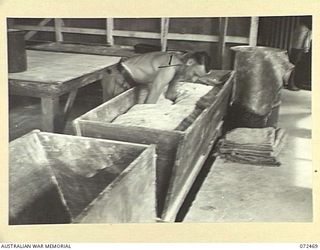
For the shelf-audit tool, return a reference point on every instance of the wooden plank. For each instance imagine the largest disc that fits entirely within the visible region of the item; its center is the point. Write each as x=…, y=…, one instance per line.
x=52, y=67
x=166, y=141
x=30, y=34
x=294, y=21
x=266, y=30
x=131, y=198
x=164, y=33
x=253, y=36
x=63, y=29
x=237, y=39
x=96, y=123
x=138, y=34
x=287, y=33
x=50, y=114
x=85, y=49
x=58, y=26
x=34, y=28
x=223, y=26
x=108, y=84
x=170, y=214
x=70, y=101
x=272, y=31
x=111, y=109
x=33, y=89
x=109, y=24
x=66, y=173
x=84, y=167
x=277, y=32
x=67, y=108
x=45, y=89
x=83, y=80
x=127, y=148
x=198, y=138
x=283, y=32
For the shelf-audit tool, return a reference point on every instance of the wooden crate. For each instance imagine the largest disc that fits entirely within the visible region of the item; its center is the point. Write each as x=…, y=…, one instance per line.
x=68, y=179
x=180, y=154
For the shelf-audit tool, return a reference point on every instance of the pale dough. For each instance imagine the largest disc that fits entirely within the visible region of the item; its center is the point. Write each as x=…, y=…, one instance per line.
x=165, y=114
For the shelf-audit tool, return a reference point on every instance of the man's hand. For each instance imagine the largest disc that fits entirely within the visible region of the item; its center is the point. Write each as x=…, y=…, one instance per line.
x=208, y=80
x=162, y=79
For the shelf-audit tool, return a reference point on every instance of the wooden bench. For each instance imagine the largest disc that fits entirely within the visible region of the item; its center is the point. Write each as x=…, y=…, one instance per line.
x=53, y=74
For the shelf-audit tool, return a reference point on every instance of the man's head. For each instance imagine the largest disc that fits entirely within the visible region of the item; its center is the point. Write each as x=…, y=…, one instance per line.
x=196, y=65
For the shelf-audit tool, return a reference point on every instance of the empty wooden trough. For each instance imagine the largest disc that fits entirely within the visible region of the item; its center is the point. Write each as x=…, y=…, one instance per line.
x=58, y=179
x=180, y=154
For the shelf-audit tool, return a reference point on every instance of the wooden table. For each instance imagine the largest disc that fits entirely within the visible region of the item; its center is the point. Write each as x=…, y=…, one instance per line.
x=52, y=74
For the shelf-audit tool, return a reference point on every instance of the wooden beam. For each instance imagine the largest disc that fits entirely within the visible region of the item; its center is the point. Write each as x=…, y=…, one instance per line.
x=164, y=33
x=34, y=28
x=253, y=37
x=63, y=29
x=282, y=33
x=223, y=26
x=50, y=113
x=287, y=28
x=109, y=31
x=32, y=33
x=277, y=33
x=171, y=213
x=68, y=105
x=58, y=29
x=138, y=34
x=237, y=39
x=294, y=21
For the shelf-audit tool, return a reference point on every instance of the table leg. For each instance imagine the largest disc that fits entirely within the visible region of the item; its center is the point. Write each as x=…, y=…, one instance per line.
x=67, y=108
x=50, y=113
x=69, y=103
x=108, y=87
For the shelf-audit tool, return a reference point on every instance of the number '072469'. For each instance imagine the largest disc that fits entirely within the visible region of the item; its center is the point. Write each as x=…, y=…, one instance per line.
x=309, y=246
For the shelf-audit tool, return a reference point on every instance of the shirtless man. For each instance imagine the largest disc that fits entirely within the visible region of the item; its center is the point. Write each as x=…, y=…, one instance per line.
x=156, y=71
x=301, y=43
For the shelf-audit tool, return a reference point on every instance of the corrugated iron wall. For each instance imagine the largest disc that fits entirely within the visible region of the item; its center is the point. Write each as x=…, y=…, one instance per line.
x=277, y=32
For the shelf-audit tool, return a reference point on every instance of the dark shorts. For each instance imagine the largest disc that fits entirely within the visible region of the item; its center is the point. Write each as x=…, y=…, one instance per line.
x=118, y=81
x=126, y=75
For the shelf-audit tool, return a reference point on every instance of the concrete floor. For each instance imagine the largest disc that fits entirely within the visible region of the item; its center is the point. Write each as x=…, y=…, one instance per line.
x=244, y=193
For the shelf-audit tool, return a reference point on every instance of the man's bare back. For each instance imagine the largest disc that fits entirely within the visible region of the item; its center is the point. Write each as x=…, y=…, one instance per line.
x=157, y=70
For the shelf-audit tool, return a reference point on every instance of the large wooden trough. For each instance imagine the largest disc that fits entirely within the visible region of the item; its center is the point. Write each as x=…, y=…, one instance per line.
x=68, y=179
x=180, y=154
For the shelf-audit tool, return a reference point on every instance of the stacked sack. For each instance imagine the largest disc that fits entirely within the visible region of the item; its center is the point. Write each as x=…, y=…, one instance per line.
x=260, y=146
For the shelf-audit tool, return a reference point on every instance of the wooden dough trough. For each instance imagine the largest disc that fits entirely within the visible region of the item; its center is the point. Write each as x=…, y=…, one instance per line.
x=68, y=179
x=180, y=154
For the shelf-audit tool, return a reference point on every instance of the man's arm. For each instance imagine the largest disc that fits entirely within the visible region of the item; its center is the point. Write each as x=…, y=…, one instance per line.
x=171, y=91
x=163, y=78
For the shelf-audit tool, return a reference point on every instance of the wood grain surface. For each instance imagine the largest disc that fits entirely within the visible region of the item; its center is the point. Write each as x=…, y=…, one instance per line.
x=57, y=67
x=54, y=178
x=86, y=49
